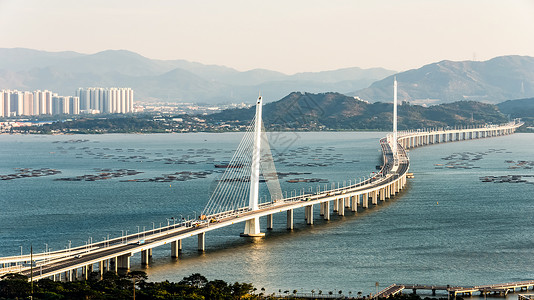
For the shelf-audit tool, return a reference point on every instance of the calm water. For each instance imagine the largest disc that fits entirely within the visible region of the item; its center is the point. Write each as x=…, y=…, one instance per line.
x=446, y=227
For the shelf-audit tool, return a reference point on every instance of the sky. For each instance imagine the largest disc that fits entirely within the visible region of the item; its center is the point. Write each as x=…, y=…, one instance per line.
x=289, y=36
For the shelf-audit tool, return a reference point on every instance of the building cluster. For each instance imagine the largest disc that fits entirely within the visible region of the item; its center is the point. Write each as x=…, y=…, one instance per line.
x=15, y=103
x=106, y=100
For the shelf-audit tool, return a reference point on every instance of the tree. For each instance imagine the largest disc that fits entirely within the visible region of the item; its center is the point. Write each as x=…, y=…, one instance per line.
x=195, y=280
x=14, y=286
x=239, y=290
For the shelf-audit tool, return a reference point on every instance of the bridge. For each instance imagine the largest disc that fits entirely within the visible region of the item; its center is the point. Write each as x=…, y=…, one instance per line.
x=235, y=200
x=500, y=289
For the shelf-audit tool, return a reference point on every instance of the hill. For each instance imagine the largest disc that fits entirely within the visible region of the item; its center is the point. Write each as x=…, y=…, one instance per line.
x=492, y=81
x=520, y=108
x=167, y=80
x=307, y=111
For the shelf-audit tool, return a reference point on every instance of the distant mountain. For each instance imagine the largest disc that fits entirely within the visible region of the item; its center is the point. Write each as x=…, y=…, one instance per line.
x=521, y=108
x=167, y=80
x=309, y=111
x=492, y=81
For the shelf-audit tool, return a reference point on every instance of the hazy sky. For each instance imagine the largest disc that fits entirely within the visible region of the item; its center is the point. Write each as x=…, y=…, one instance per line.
x=284, y=35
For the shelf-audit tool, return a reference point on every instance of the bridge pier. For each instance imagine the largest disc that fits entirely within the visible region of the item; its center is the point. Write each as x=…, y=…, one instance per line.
x=365, y=200
x=68, y=276
x=326, y=210
x=176, y=248
x=355, y=200
x=347, y=202
x=123, y=261
x=374, y=199
x=309, y=214
x=201, y=242
x=145, y=257
x=101, y=268
x=336, y=205
x=289, y=219
x=321, y=209
x=341, y=207
x=269, y=222
x=85, y=274
x=252, y=228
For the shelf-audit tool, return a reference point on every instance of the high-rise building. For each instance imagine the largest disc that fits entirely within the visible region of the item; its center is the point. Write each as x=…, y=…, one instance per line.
x=106, y=100
x=5, y=103
x=87, y=100
x=27, y=106
x=17, y=103
x=74, y=105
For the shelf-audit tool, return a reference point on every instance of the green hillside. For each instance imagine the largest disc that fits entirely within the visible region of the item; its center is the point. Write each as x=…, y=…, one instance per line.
x=334, y=111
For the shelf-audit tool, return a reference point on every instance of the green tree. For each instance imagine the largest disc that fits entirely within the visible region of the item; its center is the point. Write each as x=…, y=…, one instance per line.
x=14, y=286
x=195, y=280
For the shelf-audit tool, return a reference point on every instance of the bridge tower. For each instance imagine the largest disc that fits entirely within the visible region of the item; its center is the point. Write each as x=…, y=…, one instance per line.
x=394, y=142
x=252, y=226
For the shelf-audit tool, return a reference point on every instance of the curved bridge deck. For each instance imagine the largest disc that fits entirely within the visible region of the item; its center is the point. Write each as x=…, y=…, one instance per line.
x=114, y=254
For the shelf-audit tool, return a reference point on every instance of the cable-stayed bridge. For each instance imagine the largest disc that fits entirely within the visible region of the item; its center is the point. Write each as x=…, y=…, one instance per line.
x=235, y=200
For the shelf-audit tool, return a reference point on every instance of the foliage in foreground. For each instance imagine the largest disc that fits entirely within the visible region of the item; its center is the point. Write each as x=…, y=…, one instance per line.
x=194, y=287
x=113, y=286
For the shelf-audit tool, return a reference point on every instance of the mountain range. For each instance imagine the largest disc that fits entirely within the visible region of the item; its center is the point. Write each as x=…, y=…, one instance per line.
x=492, y=81
x=166, y=80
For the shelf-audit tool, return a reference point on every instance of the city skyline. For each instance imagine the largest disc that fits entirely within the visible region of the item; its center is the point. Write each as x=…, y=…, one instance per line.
x=94, y=100
x=298, y=36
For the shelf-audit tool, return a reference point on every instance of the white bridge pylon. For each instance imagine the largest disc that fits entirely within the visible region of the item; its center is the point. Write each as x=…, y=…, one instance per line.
x=241, y=180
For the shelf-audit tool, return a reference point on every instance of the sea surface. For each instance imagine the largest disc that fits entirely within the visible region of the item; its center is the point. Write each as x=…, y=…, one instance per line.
x=446, y=227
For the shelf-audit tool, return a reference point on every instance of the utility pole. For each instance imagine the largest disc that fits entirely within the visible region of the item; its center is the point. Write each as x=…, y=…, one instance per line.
x=31, y=269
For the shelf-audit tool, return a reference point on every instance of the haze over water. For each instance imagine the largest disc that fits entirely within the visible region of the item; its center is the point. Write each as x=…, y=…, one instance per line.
x=446, y=227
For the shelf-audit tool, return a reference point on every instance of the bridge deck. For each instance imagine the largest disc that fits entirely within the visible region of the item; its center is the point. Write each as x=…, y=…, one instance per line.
x=65, y=260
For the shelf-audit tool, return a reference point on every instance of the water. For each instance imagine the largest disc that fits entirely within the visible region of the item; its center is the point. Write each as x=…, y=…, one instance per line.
x=446, y=227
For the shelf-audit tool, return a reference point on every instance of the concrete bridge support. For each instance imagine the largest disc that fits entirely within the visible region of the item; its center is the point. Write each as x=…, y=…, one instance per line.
x=321, y=209
x=68, y=275
x=309, y=214
x=144, y=257
x=123, y=261
x=201, y=242
x=341, y=207
x=101, y=268
x=355, y=200
x=365, y=200
x=113, y=265
x=382, y=194
x=336, y=205
x=289, y=220
x=176, y=248
x=326, y=210
x=270, y=222
x=374, y=199
x=85, y=273
x=347, y=202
